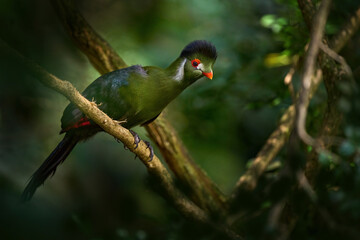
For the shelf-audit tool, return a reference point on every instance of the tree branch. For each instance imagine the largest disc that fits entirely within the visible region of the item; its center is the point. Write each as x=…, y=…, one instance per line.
x=348, y=30
x=316, y=36
x=201, y=189
x=99, y=52
x=273, y=145
x=155, y=168
x=333, y=74
x=248, y=181
x=186, y=170
x=308, y=11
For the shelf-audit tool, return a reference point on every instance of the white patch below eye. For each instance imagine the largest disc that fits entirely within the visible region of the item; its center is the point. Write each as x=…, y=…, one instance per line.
x=201, y=67
x=180, y=71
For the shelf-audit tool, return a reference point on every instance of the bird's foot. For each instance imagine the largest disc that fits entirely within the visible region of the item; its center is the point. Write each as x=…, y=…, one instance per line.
x=136, y=138
x=148, y=146
x=136, y=142
x=93, y=102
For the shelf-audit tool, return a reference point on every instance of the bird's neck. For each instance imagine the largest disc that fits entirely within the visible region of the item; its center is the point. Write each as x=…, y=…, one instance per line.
x=176, y=70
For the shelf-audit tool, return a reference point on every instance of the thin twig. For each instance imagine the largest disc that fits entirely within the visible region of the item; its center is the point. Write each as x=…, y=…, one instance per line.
x=273, y=221
x=305, y=185
x=334, y=55
x=310, y=61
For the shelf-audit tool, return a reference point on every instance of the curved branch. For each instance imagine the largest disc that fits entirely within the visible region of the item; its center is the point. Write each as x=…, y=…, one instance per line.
x=201, y=189
x=332, y=74
x=317, y=33
x=155, y=167
x=248, y=181
x=350, y=27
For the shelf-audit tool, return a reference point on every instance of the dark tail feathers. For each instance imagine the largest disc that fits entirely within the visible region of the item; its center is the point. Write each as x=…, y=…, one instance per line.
x=49, y=166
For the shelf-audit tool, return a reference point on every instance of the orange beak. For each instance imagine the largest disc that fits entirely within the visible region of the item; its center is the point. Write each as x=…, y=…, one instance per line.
x=208, y=74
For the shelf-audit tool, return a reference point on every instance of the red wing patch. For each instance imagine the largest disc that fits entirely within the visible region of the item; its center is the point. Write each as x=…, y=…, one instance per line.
x=84, y=121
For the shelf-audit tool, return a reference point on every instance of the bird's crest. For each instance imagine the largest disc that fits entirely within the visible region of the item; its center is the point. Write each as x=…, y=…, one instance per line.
x=200, y=46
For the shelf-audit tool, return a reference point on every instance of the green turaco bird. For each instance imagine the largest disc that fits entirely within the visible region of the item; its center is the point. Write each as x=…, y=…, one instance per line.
x=135, y=95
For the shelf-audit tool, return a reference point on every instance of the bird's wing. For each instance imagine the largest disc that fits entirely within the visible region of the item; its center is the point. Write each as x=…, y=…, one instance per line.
x=104, y=91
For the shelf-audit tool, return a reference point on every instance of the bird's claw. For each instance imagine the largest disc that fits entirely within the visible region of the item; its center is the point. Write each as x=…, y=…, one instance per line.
x=148, y=146
x=136, y=142
x=136, y=138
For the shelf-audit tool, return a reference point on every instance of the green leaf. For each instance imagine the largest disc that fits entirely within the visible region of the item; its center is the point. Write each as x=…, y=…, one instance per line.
x=268, y=20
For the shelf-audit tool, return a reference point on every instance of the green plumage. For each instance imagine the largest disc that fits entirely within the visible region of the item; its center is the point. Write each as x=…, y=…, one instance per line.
x=136, y=95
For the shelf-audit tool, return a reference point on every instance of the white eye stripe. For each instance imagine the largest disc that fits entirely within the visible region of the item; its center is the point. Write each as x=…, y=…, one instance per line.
x=200, y=67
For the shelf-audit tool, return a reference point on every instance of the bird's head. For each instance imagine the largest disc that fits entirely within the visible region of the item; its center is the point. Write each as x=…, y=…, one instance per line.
x=199, y=57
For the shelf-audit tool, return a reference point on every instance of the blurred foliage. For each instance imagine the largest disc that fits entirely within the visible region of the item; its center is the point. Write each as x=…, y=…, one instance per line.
x=100, y=192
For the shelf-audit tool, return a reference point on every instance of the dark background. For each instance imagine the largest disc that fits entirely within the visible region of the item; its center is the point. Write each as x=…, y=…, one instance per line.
x=101, y=192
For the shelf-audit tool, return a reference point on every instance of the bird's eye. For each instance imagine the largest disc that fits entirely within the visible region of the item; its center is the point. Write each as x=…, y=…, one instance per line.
x=195, y=62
